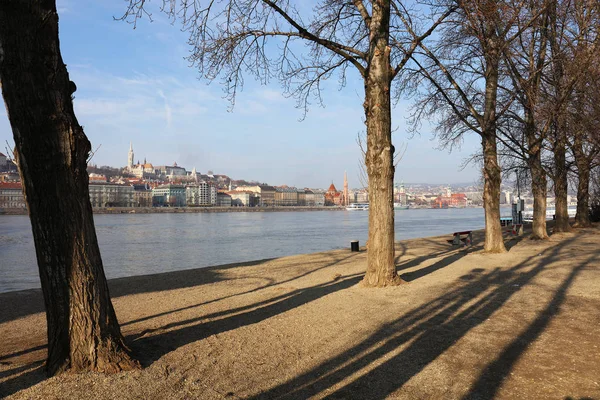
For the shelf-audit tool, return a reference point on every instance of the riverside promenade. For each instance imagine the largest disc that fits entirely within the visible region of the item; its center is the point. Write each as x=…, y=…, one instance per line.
x=465, y=325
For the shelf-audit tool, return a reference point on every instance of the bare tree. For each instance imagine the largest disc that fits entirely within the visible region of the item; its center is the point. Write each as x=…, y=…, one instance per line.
x=232, y=37
x=52, y=149
x=526, y=60
x=463, y=74
x=573, y=40
x=584, y=124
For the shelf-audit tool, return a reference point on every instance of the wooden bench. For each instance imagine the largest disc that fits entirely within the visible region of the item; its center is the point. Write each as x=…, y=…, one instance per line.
x=464, y=237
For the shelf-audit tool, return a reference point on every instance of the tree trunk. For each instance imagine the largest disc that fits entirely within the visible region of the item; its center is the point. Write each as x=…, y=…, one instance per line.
x=539, y=188
x=52, y=150
x=379, y=159
x=539, y=182
x=494, y=243
x=560, y=183
x=582, y=218
x=582, y=160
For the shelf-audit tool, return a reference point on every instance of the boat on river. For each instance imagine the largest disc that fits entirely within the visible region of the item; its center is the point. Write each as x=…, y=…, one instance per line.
x=400, y=206
x=358, y=207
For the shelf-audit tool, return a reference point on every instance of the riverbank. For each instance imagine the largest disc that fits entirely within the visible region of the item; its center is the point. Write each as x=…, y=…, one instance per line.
x=173, y=210
x=466, y=325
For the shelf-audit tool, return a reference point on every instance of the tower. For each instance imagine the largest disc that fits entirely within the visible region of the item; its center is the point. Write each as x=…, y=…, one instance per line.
x=130, y=157
x=346, y=198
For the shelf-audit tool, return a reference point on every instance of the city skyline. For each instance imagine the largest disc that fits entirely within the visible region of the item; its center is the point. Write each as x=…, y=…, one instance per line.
x=135, y=86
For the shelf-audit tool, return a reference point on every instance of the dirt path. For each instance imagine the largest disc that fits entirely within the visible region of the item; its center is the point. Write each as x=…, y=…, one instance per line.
x=466, y=325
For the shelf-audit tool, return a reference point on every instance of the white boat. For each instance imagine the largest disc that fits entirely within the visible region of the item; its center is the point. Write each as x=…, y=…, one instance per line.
x=358, y=207
x=400, y=206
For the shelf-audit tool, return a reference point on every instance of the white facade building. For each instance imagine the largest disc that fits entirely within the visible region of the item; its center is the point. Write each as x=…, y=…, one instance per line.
x=104, y=195
x=201, y=194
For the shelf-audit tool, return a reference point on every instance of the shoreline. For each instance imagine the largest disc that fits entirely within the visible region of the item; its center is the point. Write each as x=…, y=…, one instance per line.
x=191, y=210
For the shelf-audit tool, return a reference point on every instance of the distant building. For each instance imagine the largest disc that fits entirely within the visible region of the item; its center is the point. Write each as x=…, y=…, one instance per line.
x=142, y=195
x=171, y=172
x=244, y=198
x=140, y=170
x=301, y=197
x=97, y=178
x=332, y=196
x=3, y=162
x=286, y=196
x=201, y=194
x=455, y=200
x=319, y=197
x=104, y=194
x=168, y=195
x=362, y=196
x=309, y=198
x=11, y=195
x=223, y=199
x=345, y=200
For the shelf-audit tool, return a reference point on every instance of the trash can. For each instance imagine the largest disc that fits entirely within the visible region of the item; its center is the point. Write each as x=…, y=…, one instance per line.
x=354, y=245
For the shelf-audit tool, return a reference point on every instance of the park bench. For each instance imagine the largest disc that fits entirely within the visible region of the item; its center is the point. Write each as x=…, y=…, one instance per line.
x=464, y=237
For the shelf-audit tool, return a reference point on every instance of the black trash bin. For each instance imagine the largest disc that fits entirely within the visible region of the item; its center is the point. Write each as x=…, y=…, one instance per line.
x=354, y=245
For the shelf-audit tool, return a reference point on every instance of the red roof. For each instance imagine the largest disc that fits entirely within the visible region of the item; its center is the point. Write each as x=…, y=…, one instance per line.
x=10, y=185
x=332, y=188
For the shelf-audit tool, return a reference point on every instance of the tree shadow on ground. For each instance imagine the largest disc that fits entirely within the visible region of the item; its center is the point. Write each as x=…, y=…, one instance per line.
x=32, y=301
x=35, y=375
x=173, y=280
x=270, y=283
x=427, y=332
x=452, y=253
x=493, y=375
x=149, y=347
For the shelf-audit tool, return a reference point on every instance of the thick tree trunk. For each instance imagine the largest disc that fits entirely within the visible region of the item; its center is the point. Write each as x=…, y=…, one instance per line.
x=582, y=218
x=538, y=177
x=582, y=160
x=539, y=188
x=494, y=243
x=381, y=268
x=560, y=184
x=52, y=151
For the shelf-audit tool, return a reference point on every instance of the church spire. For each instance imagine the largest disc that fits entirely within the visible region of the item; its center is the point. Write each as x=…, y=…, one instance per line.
x=130, y=156
x=346, y=194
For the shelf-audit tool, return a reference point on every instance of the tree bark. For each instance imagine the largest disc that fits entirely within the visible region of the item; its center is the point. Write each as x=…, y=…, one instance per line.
x=560, y=182
x=379, y=159
x=494, y=243
x=539, y=188
x=52, y=150
x=538, y=177
x=582, y=218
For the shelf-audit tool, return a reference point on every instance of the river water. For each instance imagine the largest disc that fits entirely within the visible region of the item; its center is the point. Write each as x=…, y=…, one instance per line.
x=140, y=244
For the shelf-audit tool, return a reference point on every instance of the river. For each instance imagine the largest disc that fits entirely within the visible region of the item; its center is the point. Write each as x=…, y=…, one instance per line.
x=139, y=244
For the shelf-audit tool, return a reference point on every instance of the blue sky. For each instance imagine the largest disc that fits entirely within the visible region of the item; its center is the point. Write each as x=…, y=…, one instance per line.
x=135, y=85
